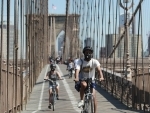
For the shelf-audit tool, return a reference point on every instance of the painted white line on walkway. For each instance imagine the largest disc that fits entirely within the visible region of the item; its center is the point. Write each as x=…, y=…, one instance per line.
x=70, y=93
x=35, y=111
x=42, y=90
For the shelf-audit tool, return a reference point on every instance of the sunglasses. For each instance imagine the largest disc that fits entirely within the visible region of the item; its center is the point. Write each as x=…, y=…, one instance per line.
x=87, y=52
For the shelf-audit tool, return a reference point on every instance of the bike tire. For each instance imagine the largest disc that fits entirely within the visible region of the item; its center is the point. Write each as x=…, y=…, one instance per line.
x=71, y=74
x=91, y=106
x=85, y=107
x=53, y=102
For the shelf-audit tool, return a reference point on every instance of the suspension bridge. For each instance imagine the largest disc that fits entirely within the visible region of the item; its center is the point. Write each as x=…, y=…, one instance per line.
x=118, y=31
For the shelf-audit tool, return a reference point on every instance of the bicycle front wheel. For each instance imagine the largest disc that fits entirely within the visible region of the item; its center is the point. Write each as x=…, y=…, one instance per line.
x=91, y=106
x=53, y=102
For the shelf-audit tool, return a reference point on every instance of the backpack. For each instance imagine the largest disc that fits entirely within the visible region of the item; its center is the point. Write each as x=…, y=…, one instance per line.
x=81, y=65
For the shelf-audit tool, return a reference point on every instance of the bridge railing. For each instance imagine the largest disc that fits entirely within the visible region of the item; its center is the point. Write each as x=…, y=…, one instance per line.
x=14, y=89
x=134, y=94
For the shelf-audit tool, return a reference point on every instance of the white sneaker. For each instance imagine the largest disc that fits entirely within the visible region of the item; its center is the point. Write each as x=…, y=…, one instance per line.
x=81, y=103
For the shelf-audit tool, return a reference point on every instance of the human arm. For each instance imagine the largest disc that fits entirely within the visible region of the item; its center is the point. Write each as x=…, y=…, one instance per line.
x=77, y=70
x=46, y=77
x=58, y=74
x=76, y=74
x=101, y=77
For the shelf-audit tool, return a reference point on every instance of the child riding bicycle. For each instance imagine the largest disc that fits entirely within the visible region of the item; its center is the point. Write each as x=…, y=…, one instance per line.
x=53, y=75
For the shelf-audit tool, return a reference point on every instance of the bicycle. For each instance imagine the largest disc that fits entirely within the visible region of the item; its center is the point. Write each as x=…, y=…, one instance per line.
x=53, y=91
x=88, y=106
x=71, y=72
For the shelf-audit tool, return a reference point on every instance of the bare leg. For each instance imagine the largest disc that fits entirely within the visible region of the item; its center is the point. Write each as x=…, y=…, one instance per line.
x=83, y=86
x=57, y=89
x=50, y=92
x=95, y=102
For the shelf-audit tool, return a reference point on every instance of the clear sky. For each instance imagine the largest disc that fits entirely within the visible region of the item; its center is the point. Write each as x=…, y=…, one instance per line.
x=60, y=6
x=61, y=9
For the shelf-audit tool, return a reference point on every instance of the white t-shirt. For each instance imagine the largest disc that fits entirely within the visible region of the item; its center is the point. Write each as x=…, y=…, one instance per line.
x=75, y=62
x=71, y=65
x=88, y=68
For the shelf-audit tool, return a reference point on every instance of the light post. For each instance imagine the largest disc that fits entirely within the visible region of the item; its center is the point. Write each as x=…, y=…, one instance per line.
x=128, y=69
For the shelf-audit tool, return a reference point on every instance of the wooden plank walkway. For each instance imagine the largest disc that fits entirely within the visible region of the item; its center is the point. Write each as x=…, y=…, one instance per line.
x=69, y=97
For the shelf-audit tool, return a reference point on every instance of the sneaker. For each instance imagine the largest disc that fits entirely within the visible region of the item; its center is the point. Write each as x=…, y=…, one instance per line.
x=57, y=96
x=81, y=103
x=49, y=106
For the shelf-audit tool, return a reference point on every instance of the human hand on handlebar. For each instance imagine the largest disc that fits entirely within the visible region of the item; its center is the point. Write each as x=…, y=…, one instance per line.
x=61, y=79
x=101, y=79
x=76, y=79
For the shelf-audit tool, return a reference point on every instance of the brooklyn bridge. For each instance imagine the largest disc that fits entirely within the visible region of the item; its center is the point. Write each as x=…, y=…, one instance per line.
x=31, y=32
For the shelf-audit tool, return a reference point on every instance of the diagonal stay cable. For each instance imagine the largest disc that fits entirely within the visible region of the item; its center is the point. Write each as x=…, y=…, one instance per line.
x=115, y=46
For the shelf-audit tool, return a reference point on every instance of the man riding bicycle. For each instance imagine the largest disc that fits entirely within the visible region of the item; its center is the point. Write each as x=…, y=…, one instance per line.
x=85, y=68
x=53, y=75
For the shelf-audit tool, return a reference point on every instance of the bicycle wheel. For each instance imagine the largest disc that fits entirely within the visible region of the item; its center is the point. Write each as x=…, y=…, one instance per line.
x=53, y=102
x=85, y=107
x=71, y=74
x=91, y=106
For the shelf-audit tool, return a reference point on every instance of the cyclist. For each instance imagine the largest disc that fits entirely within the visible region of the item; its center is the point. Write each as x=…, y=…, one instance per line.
x=70, y=66
x=53, y=75
x=51, y=60
x=85, y=68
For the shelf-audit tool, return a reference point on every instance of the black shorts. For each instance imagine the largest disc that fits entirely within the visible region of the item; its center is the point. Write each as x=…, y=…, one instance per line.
x=78, y=85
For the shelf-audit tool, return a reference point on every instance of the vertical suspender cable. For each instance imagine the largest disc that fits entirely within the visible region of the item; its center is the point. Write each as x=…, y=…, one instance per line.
x=144, y=101
x=1, y=48
x=21, y=58
x=66, y=26
x=136, y=63
x=115, y=40
x=8, y=24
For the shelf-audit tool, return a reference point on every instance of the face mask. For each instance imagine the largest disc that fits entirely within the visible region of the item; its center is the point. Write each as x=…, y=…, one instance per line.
x=87, y=57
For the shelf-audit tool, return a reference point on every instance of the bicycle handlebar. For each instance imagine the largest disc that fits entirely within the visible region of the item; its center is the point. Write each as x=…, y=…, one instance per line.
x=53, y=80
x=49, y=80
x=85, y=79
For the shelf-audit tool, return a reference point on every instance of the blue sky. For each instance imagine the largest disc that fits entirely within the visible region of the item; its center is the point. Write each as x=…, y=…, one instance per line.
x=60, y=4
x=61, y=8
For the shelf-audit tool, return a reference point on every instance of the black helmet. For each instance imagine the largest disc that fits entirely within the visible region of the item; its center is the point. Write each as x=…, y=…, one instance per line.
x=52, y=66
x=88, y=48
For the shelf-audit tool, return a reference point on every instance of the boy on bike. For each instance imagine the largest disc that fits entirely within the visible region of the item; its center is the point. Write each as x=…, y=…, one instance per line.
x=87, y=67
x=53, y=75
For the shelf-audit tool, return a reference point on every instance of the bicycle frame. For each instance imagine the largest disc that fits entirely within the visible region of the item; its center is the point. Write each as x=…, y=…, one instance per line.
x=88, y=98
x=70, y=72
x=53, y=91
x=53, y=94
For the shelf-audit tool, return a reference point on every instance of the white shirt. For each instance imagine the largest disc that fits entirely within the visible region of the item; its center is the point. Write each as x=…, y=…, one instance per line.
x=75, y=62
x=88, y=67
x=71, y=65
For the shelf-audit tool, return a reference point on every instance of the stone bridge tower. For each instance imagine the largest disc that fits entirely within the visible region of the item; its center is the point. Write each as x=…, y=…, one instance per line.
x=56, y=25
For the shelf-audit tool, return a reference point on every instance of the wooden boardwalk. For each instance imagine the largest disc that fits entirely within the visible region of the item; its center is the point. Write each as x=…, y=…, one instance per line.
x=69, y=97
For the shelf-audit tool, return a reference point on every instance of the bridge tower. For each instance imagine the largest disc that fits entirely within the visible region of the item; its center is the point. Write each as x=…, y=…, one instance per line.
x=56, y=25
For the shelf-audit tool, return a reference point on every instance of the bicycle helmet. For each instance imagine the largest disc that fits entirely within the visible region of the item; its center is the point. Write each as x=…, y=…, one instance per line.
x=52, y=66
x=87, y=48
